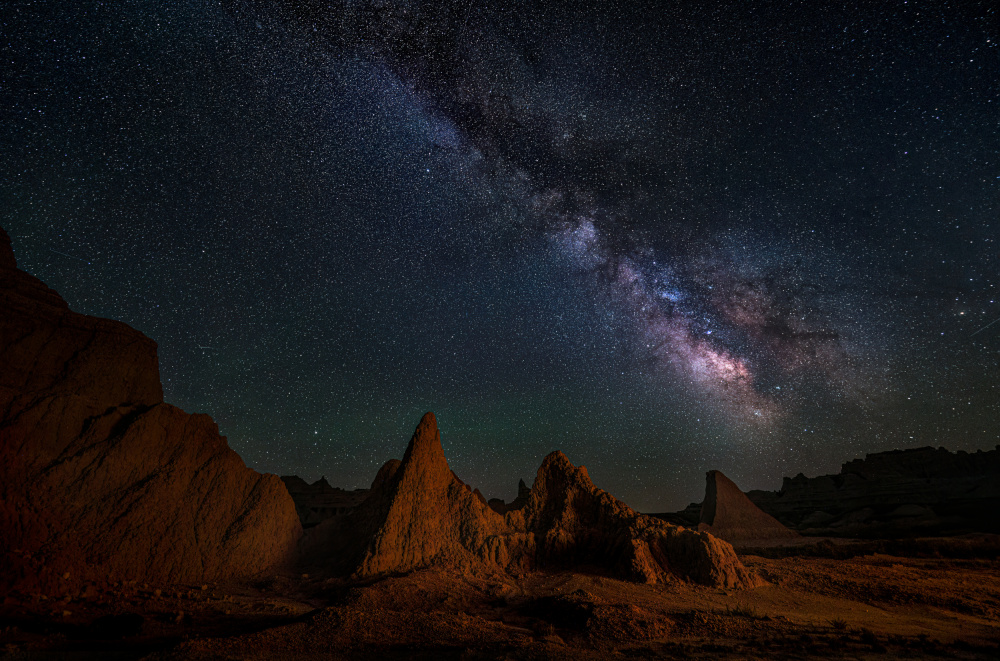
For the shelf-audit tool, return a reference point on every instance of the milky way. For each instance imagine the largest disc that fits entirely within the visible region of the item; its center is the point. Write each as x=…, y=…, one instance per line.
x=755, y=237
x=736, y=341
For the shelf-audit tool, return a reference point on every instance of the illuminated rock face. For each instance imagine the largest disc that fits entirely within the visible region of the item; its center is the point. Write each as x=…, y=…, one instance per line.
x=419, y=514
x=99, y=479
x=422, y=513
x=726, y=512
x=573, y=522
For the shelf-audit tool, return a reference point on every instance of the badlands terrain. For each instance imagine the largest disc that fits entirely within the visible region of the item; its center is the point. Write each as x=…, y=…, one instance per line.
x=129, y=529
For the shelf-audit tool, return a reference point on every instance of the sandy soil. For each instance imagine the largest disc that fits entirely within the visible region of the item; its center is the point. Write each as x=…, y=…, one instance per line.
x=873, y=606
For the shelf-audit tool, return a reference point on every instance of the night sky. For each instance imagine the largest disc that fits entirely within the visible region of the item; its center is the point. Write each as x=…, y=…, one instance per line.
x=759, y=237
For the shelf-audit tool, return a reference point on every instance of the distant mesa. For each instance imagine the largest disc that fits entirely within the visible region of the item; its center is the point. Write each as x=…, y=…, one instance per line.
x=921, y=491
x=900, y=493
x=727, y=513
x=317, y=502
x=99, y=479
x=420, y=514
x=500, y=507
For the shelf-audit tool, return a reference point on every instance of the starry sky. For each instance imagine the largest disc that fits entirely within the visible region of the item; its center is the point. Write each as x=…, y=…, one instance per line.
x=759, y=237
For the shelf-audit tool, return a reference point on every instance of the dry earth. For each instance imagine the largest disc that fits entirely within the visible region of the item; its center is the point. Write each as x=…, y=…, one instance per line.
x=873, y=606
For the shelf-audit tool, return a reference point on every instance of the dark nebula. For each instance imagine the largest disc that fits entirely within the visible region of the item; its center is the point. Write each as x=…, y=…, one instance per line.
x=756, y=237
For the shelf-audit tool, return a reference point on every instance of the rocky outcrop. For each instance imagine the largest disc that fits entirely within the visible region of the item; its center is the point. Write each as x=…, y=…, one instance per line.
x=570, y=522
x=417, y=514
x=902, y=492
x=319, y=501
x=420, y=514
x=728, y=514
x=99, y=479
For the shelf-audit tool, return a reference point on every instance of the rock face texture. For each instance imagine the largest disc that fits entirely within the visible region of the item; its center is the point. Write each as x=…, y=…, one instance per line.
x=902, y=492
x=99, y=479
x=727, y=513
x=567, y=521
x=420, y=514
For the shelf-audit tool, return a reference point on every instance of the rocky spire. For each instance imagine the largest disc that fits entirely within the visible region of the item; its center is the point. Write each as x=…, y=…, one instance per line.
x=423, y=514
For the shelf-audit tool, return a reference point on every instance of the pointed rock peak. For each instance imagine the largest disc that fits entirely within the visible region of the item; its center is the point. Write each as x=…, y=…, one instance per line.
x=425, y=446
x=428, y=423
x=6, y=252
x=522, y=489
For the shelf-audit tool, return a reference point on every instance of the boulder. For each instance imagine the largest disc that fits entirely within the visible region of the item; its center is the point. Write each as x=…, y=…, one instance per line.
x=99, y=478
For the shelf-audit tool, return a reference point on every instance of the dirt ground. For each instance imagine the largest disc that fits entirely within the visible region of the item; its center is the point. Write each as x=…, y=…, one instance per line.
x=870, y=606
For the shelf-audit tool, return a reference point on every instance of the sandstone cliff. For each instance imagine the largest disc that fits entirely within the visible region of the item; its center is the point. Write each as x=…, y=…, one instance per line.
x=99, y=479
x=727, y=513
x=420, y=514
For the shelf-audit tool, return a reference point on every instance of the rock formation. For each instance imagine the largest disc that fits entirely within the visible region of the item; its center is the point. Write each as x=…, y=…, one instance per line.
x=727, y=513
x=902, y=492
x=99, y=479
x=319, y=501
x=419, y=514
x=568, y=521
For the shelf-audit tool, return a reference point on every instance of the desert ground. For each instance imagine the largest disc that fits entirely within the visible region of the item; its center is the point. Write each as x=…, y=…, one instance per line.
x=933, y=599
